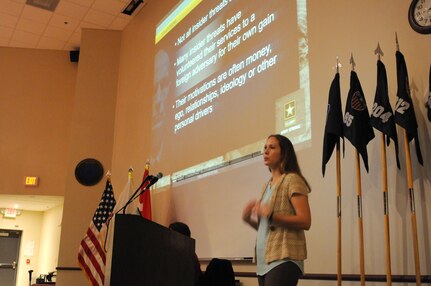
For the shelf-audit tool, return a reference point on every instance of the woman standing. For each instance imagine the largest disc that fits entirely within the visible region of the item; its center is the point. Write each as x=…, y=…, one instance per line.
x=280, y=216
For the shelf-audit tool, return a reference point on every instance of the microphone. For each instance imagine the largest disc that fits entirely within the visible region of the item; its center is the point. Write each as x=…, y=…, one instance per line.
x=152, y=180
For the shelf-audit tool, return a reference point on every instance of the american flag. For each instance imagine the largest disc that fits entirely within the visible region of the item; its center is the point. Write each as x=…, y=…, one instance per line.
x=91, y=255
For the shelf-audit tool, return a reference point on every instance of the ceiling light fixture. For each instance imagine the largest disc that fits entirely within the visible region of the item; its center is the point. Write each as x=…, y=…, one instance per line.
x=131, y=7
x=49, y=5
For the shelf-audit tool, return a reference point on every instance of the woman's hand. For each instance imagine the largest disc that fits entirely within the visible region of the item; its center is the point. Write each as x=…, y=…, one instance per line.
x=261, y=210
x=248, y=212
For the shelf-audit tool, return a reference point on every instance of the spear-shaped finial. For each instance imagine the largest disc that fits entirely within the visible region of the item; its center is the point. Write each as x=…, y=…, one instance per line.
x=352, y=62
x=378, y=51
x=396, y=42
x=337, y=65
x=130, y=172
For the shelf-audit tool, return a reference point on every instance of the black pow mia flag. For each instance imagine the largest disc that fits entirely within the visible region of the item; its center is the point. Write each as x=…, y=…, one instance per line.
x=357, y=128
x=404, y=111
x=334, y=122
x=382, y=116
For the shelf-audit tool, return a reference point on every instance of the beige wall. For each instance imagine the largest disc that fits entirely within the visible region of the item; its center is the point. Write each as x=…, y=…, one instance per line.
x=91, y=136
x=37, y=90
x=50, y=239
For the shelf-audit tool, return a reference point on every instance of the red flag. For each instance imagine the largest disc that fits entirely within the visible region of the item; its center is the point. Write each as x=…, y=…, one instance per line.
x=91, y=255
x=145, y=197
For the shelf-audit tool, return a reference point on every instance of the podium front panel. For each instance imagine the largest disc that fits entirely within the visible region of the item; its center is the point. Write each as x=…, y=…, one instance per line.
x=147, y=253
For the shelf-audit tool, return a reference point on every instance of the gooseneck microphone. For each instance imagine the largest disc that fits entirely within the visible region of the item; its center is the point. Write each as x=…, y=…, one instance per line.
x=152, y=180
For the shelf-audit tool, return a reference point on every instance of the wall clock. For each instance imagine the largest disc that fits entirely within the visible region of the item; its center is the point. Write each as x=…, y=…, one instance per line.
x=89, y=172
x=420, y=16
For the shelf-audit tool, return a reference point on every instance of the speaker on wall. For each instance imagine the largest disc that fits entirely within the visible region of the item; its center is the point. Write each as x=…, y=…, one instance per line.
x=74, y=56
x=89, y=172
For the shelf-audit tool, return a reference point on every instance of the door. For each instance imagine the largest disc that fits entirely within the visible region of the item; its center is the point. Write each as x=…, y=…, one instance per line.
x=9, y=253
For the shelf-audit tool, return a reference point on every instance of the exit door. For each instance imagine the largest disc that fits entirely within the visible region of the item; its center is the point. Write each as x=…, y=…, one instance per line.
x=9, y=253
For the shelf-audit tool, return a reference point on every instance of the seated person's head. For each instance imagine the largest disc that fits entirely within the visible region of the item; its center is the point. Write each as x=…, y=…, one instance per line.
x=181, y=228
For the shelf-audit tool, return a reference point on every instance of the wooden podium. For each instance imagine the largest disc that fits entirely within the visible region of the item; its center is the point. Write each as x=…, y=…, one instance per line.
x=146, y=253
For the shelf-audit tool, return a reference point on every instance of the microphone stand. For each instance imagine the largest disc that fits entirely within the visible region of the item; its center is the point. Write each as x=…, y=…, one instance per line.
x=29, y=276
x=153, y=180
x=132, y=198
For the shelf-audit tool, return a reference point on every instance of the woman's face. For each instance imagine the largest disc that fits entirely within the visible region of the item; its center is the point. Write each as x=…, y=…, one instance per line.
x=271, y=153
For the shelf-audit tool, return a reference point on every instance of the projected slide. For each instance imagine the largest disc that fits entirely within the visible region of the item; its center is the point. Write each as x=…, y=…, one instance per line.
x=227, y=74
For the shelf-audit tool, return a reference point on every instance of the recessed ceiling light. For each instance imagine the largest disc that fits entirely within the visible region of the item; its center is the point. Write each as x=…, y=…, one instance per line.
x=49, y=5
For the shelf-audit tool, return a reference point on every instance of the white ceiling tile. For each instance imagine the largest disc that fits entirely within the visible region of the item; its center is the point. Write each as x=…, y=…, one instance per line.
x=119, y=24
x=23, y=25
x=11, y=7
x=36, y=14
x=72, y=46
x=85, y=3
x=109, y=6
x=6, y=32
x=30, y=26
x=84, y=25
x=124, y=16
x=25, y=37
x=30, y=202
x=57, y=33
x=76, y=36
x=18, y=44
x=64, y=22
x=8, y=20
x=49, y=43
x=71, y=10
x=4, y=41
x=99, y=18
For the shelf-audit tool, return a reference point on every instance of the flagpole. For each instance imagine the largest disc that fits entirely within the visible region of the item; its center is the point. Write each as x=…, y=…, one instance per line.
x=386, y=212
x=338, y=166
x=411, y=197
x=360, y=224
x=412, y=208
x=338, y=171
x=359, y=198
x=379, y=53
